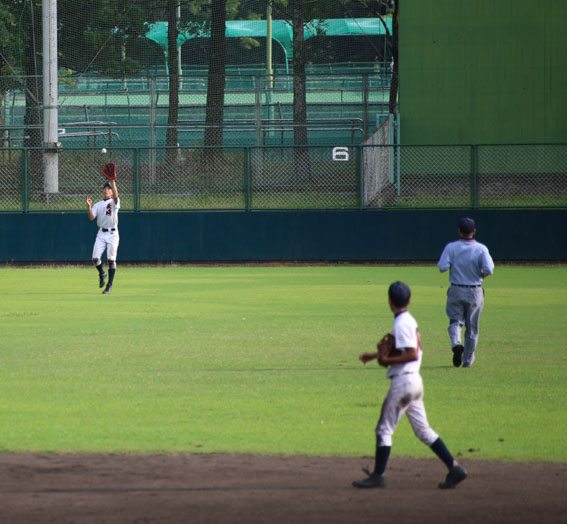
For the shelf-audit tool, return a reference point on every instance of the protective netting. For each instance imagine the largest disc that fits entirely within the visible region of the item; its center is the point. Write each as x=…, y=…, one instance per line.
x=379, y=165
x=11, y=181
x=150, y=62
x=198, y=121
x=340, y=107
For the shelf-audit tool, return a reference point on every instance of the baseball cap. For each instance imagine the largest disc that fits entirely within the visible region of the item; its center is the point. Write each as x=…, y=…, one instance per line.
x=399, y=293
x=467, y=225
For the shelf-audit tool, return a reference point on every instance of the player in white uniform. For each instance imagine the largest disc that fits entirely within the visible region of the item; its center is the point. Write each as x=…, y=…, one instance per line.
x=107, y=238
x=405, y=395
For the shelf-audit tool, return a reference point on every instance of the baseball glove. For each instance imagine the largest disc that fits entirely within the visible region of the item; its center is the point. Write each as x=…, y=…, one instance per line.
x=109, y=171
x=386, y=346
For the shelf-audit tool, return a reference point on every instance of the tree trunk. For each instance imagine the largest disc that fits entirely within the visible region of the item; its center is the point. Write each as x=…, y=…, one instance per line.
x=301, y=163
x=173, y=113
x=34, y=95
x=216, y=78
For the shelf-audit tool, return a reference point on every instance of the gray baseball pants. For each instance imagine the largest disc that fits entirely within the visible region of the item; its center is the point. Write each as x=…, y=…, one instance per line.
x=464, y=306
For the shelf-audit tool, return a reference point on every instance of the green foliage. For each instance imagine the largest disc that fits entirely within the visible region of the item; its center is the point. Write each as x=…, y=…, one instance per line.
x=8, y=46
x=264, y=360
x=97, y=42
x=7, y=25
x=8, y=50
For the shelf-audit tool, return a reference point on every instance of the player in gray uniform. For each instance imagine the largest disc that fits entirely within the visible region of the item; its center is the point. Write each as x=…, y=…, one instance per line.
x=469, y=263
x=405, y=395
x=106, y=214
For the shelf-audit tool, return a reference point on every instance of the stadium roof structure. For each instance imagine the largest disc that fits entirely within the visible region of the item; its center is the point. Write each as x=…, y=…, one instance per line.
x=281, y=30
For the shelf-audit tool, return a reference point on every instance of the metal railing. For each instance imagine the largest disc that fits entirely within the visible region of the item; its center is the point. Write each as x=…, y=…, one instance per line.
x=132, y=101
x=191, y=132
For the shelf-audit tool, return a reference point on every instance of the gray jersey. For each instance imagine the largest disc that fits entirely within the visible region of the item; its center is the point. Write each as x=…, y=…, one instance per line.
x=467, y=260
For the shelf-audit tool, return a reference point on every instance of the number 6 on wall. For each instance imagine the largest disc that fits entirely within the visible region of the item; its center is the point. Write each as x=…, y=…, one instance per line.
x=340, y=154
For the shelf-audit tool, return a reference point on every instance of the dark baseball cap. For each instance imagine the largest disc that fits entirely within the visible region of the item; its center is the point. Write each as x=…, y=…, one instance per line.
x=467, y=225
x=399, y=293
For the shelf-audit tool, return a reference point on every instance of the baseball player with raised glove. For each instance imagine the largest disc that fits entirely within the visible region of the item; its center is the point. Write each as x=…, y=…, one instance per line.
x=107, y=238
x=401, y=352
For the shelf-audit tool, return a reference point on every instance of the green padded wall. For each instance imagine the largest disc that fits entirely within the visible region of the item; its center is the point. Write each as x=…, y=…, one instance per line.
x=483, y=71
x=378, y=235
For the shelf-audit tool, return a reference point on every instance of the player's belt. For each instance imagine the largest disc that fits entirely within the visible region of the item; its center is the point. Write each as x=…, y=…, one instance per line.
x=107, y=230
x=403, y=373
x=457, y=285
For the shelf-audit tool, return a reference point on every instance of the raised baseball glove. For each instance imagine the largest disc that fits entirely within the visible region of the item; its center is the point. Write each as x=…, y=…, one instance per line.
x=109, y=171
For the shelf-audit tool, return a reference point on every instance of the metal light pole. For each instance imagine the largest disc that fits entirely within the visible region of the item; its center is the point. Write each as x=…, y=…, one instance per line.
x=269, y=70
x=179, y=66
x=50, y=96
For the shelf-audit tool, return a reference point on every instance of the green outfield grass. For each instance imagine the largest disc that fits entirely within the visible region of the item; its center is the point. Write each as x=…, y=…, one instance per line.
x=264, y=360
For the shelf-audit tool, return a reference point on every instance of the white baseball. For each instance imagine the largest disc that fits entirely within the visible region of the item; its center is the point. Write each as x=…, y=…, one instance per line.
x=103, y=150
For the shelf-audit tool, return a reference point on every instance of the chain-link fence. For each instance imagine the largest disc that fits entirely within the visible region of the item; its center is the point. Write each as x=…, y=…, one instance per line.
x=287, y=177
x=528, y=175
x=487, y=176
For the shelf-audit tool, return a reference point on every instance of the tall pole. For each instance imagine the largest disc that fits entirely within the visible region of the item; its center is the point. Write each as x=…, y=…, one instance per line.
x=269, y=70
x=179, y=66
x=50, y=96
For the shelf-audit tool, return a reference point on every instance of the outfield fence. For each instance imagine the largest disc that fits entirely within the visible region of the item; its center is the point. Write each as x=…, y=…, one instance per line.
x=287, y=177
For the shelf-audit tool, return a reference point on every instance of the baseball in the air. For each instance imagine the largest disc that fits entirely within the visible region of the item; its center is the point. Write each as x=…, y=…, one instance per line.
x=103, y=150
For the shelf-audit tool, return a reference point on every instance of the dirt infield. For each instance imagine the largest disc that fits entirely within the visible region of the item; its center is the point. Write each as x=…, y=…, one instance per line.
x=245, y=489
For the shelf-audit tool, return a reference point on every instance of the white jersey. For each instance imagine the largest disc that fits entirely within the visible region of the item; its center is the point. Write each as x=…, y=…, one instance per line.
x=106, y=213
x=406, y=333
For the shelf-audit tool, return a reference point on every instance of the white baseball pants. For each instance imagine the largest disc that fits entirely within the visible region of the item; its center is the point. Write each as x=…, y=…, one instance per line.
x=108, y=241
x=404, y=396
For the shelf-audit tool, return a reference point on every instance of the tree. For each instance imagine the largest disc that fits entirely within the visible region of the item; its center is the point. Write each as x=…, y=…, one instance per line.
x=199, y=19
x=171, y=12
x=216, y=75
x=8, y=54
x=379, y=9
x=301, y=163
x=91, y=36
x=94, y=35
x=31, y=68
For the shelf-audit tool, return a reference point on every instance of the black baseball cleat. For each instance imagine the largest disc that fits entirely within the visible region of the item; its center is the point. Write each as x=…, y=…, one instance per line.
x=373, y=481
x=456, y=474
x=107, y=290
x=101, y=279
x=458, y=355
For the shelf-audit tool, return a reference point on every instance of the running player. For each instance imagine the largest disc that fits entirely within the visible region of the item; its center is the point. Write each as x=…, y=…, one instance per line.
x=107, y=238
x=469, y=263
